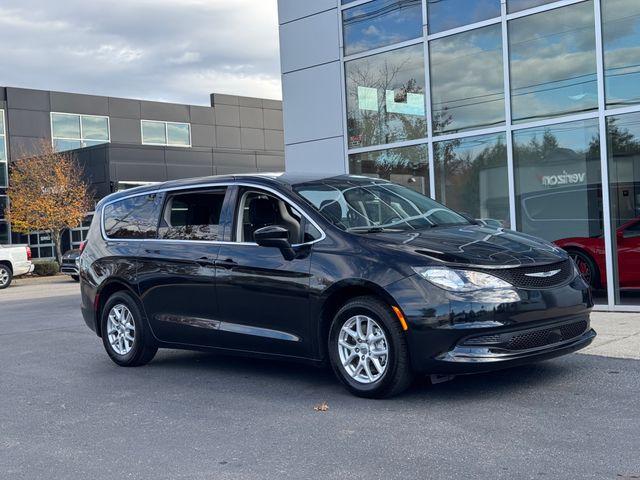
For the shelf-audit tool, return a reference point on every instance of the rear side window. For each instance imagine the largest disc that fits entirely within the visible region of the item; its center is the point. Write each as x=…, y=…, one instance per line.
x=193, y=216
x=133, y=218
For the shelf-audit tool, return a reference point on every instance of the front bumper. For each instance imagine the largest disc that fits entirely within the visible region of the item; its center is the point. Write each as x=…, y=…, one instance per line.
x=457, y=334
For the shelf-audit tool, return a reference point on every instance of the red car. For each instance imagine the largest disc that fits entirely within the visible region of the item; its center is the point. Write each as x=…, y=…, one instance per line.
x=589, y=255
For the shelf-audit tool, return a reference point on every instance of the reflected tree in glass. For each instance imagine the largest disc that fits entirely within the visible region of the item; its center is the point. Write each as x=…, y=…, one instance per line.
x=385, y=97
x=558, y=180
x=408, y=166
x=623, y=138
x=471, y=176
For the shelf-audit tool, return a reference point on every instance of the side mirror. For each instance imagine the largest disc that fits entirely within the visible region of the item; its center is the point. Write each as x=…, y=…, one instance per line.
x=276, y=237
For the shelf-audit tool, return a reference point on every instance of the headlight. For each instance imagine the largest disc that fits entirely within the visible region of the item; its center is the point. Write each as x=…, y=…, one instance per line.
x=460, y=280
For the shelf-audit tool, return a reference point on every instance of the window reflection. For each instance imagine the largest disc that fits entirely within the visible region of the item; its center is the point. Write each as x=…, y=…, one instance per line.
x=621, y=41
x=65, y=126
x=71, y=131
x=380, y=23
x=623, y=134
x=154, y=132
x=553, y=63
x=558, y=181
x=471, y=177
x=408, y=166
x=385, y=97
x=517, y=5
x=447, y=14
x=467, y=80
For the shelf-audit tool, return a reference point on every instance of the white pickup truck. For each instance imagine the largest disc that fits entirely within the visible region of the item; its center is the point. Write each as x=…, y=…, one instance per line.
x=15, y=260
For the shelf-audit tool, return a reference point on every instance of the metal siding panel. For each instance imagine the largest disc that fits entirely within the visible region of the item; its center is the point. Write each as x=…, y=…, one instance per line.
x=124, y=108
x=77, y=103
x=125, y=130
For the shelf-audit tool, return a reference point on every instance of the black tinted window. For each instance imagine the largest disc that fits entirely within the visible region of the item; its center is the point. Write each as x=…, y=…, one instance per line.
x=135, y=217
x=193, y=216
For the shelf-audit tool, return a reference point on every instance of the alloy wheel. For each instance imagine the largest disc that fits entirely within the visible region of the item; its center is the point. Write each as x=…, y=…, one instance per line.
x=4, y=276
x=363, y=349
x=583, y=267
x=121, y=329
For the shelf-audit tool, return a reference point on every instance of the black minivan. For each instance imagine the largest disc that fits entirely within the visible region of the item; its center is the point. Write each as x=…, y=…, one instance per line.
x=369, y=276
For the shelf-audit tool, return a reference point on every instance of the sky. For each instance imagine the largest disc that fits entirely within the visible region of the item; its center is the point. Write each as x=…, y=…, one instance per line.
x=166, y=50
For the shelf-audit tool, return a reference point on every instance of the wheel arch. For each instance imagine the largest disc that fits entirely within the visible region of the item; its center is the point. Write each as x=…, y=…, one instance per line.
x=8, y=264
x=107, y=291
x=590, y=256
x=336, y=296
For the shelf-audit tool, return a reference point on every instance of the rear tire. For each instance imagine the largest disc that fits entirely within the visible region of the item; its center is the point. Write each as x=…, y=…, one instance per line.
x=6, y=276
x=362, y=329
x=125, y=335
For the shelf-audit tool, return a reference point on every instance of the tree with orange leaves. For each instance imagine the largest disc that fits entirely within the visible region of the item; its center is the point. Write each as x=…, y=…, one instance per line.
x=48, y=193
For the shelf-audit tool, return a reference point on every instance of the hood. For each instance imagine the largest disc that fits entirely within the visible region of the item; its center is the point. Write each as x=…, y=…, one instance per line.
x=474, y=245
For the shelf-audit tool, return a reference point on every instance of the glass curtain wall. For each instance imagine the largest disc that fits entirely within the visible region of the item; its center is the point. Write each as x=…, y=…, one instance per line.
x=5, y=233
x=497, y=110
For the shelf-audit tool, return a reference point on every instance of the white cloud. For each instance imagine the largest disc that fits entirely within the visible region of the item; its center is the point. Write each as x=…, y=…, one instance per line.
x=176, y=50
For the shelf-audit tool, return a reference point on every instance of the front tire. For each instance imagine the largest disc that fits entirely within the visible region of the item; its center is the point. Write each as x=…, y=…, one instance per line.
x=75, y=278
x=368, y=349
x=6, y=276
x=124, y=332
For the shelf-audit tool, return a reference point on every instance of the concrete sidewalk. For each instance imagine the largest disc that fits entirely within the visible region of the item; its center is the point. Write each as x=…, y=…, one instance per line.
x=618, y=335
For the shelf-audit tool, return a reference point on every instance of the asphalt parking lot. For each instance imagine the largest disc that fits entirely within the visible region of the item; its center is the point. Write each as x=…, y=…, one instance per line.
x=68, y=412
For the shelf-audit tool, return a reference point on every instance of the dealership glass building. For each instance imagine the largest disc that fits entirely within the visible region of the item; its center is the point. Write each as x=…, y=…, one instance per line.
x=523, y=113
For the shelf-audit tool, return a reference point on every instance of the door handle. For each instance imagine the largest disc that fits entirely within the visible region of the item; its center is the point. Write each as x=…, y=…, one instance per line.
x=227, y=264
x=206, y=262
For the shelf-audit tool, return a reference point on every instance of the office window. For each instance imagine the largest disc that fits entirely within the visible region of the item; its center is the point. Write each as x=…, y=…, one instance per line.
x=408, y=166
x=70, y=131
x=467, y=81
x=558, y=181
x=4, y=203
x=621, y=41
x=623, y=134
x=4, y=174
x=385, y=97
x=518, y=5
x=166, y=133
x=471, y=177
x=381, y=23
x=447, y=14
x=193, y=216
x=553, y=63
x=5, y=233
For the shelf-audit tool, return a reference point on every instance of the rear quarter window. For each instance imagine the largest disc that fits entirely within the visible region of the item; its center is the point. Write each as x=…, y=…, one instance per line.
x=133, y=218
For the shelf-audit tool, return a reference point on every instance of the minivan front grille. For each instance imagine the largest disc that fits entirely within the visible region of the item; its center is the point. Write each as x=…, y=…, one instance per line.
x=547, y=336
x=532, y=338
x=538, y=277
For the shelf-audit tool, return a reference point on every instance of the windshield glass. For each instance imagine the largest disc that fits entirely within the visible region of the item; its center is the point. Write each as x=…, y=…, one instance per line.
x=366, y=205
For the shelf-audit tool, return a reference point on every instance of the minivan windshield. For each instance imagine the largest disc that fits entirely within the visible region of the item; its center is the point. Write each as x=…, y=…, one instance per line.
x=375, y=205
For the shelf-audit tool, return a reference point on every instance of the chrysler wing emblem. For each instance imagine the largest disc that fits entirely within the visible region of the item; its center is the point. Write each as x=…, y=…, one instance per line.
x=548, y=274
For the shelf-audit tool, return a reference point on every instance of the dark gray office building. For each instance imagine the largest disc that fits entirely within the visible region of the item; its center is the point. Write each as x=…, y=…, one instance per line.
x=124, y=143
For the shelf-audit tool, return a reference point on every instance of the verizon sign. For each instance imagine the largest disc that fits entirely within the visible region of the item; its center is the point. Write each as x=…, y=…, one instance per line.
x=564, y=178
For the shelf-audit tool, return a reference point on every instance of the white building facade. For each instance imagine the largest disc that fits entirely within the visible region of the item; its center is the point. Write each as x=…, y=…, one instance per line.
x=524, y=113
